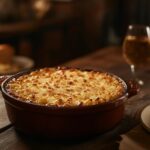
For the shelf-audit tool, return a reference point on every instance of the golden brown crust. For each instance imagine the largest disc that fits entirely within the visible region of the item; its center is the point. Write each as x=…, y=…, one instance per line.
x=66, y=87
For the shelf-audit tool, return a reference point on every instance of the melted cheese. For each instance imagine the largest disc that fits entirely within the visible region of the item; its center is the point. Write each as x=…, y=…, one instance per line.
x=66, y=87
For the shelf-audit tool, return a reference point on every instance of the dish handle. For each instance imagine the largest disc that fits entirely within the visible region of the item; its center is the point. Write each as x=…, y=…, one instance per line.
x=133, y=88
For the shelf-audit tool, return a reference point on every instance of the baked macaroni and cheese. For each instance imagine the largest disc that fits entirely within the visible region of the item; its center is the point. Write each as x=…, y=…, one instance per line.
x=66, y=87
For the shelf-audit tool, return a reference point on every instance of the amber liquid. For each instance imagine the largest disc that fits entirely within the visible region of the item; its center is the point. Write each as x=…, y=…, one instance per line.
x=136, y=50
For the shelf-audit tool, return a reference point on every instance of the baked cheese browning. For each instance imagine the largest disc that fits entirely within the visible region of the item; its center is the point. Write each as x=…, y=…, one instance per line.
x=66, y=87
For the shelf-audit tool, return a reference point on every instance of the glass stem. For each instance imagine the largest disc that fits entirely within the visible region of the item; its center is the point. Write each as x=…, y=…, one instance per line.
x=140, y=82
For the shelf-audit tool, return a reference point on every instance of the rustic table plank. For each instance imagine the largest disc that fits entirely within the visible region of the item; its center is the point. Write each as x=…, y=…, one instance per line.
x=11, y=140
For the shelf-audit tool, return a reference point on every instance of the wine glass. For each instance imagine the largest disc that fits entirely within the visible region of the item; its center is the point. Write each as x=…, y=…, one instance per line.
x=136, y=49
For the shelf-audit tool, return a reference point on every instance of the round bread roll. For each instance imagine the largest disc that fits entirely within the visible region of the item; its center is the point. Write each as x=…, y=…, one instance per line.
x=6, y=53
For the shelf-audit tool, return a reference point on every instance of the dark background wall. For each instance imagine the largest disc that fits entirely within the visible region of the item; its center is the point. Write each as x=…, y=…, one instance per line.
x=68, y=29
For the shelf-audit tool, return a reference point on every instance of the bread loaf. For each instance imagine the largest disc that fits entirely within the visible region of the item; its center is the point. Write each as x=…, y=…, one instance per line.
x=6, y=54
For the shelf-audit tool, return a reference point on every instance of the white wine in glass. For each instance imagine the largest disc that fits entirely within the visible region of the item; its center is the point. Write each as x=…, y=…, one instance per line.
x=136, y=49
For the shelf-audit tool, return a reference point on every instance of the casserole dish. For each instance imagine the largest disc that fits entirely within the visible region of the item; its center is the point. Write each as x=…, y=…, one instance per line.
x=68, y=121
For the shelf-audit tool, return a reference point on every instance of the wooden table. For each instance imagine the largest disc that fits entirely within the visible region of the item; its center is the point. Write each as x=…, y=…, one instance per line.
x=108, y=59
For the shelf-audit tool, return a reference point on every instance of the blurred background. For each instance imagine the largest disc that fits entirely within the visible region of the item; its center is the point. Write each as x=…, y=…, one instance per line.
x=52, y=32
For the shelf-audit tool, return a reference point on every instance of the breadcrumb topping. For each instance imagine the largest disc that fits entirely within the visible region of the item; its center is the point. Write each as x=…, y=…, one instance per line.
x=66, y=87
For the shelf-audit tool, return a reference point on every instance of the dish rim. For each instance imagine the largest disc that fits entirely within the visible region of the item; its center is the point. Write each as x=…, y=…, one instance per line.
x=115, y=102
